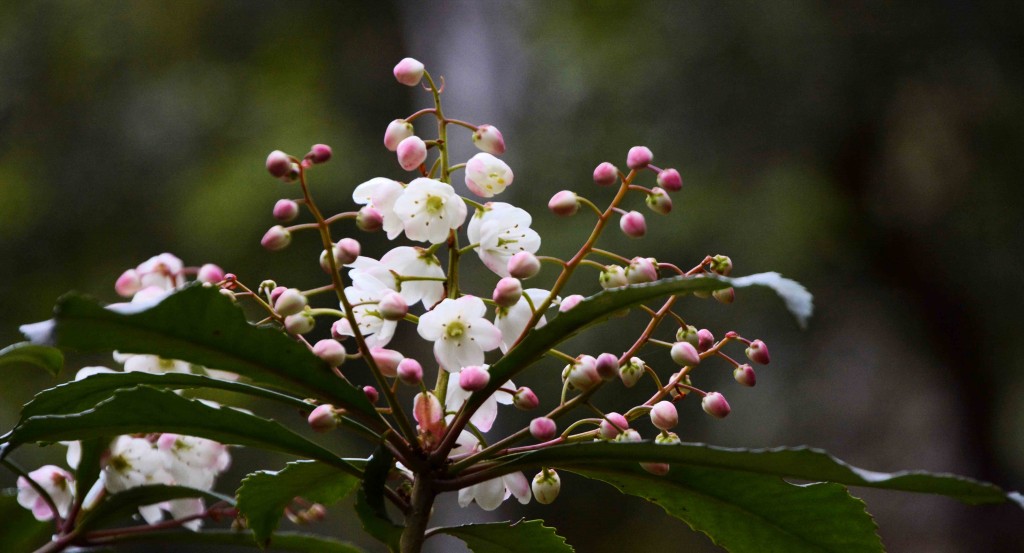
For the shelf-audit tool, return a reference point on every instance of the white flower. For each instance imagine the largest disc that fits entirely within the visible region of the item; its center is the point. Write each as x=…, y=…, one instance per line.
x=194, y=462
x=487, y=175
x=165, y=271
x=511, y=321
x=429, y=209
x=135, y=462
x=460, y=333
x=368, y=274
x=381, y=193
x=375, y=329
x=502, y=230
x=483, y=418
x=153, y=364
x=491, y=493
x=56, y=482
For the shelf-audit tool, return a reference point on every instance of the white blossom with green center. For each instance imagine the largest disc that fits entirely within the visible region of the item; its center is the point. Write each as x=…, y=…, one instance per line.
x=460, y=332
x=429, y=209
x=501, y=230
x=487, y=175
x=404, y=261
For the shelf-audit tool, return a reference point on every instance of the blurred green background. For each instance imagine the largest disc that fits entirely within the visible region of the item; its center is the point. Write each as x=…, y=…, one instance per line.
x=871, y=150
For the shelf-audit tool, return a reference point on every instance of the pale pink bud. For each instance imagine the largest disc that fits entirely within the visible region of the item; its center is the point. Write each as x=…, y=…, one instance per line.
x=319, y=153
x=583, y=373
x=721, y=264
x=331, y=351
x=725, y=295
x=659, y=201
x=631, y=372
x=323, y=419
x=410, y=371
x=290, y=302
x=387, y=361
x=715, y=405
x=613, y=276
x=546, y=486
x=757, y=352
x=412, y=152
x=371, y=394
x=605, y=174
x=507, y=292
x=346, y=250
x=639, y=157
x=276, y=293
x=210, y=273
x=612, y=425
x=397, y=131
x=684, y=354
x=392, y=307
x=633, y=224
x=543, y=429
x=300, y=323
x=369, y=219
x=564, y=203
x=276, y=238
x=744, y=374
x=409, y=72
x=664, y=415
x=523, y=265
x=629, y=436
x=429, y=414
x=670, y=180
x=488, y=139
x=642, y=269
x=705, y=339
x=279, y=164
x=607, y=366
x=128, y=283
x=473, y=378
x=569, y=302
x=525, y=399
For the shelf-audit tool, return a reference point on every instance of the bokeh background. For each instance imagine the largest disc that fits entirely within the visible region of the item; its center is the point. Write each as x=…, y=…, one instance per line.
x=871, y=150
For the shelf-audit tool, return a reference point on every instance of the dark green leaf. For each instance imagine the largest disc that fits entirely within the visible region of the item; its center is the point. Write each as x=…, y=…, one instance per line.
x=370, y=500
x=88, y=470
x=201, y=326
x=122, y=505
x=49, y=359
x=264, y=495
x=20, y=530
x=283, y=541
x=525, y=536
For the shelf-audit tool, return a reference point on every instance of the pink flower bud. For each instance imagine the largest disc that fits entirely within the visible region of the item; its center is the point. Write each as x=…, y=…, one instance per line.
x=744, y=374
x=664, y=415
x=525, y=399
x=569, y=302
x=657, y=469
x=488, y=139
x=412, y=152
x=279, y=164
x=323, y=419
x=429, y=414
x=369, y=219
x=705, y=339
x=387, y=361
x=371, y=394
x=721, y=264
x=684, y=354
x=631, y=372
x=725, y=295
x=523, y=265
x=397, y=131
x=392, y=307
x=543, y=429
x=633, y=224
x=757, y=352
x=409, y=72
x=346, y=250
x=473, y=378
x=607, y=366
x=642, y=269
x=276, y=238
x=659, y=201
x=331, y=351
x=583, y=373
x=546, y=486
x=606, y=174
x=319, y=153
x=300, y=323
x=290, y=302
x=639, y=157
x=210, y=273
x=612, y=425
x=613, y=276
x=276, y=293
x=564, y=203
x=670, y=180
x=715, y=405
x=410, y=371
x=507, y=292
x=128, y=283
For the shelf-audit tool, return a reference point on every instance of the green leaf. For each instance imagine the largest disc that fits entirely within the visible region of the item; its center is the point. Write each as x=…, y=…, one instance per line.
x=201, y=326
x=525, y=536
x=264, y=495
x=20, y=530
x=49, y=359
x=124, y=504
x=283, y=541
x=144, y=409
x=370, y=501
x=88, y=471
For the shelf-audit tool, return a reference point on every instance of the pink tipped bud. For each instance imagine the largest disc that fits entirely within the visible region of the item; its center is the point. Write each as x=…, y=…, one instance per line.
x=659, y=201
x=569, y=302
x=744, y=374
x=300, y=323
x=612, y=425
x=323, y=419
x=564, y=203
x=546, y=486
x=633, y=224
x=725, y=295
x=543, y=429
x=670, y=180
x=319, y=153
x=290, y=302
x=369, y=219
x=525, y=399
x=276, y=293
x=642, y=269
x=210, y=273
x=409, y=72
x=715, y=405
x=613, y=276
x=488, y=139
x=412, y=152
x=392, y=307
x=582, y=374
x=331, y=351
x=721, y=264
x=757, y=352
x=705, y=339
x=523, y=265
x=631, y=372
x=410, y=371
x=684, y=354
x=607, y=366
x=429, y=414
x=664, y=415
x=473, y=378
x=606, y=174
x=507, y=292
x=346, y=250
x=397, y=131
x=128, y=283
x=371, y=394
x=387, y=361
x=639, y=157
x=657, y=469
x=279, y=164
x=276, y=238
